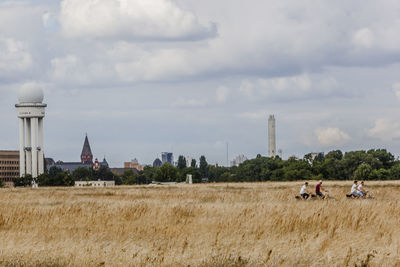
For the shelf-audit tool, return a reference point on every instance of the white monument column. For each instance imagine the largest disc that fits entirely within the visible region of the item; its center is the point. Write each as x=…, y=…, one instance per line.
x=31, y=110
x=21, y=147
x=40, y=146
x=34, y=148
x=28, y=147
x=271, y=136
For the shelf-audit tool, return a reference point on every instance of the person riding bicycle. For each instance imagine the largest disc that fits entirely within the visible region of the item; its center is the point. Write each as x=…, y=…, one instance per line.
x=361, y=190
x=304, y=192
x=319, y=189
x=354, y=191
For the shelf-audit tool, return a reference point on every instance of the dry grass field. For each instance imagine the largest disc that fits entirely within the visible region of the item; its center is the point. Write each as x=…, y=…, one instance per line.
x=258, y=224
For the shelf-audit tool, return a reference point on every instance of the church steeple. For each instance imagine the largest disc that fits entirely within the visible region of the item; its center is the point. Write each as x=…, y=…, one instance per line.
x=86, y=155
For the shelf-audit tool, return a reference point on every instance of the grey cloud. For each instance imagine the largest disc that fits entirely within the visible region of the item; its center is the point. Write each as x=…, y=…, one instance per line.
x=320, y=65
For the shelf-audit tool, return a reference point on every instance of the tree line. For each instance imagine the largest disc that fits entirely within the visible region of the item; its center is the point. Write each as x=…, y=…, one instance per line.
x=374, y=164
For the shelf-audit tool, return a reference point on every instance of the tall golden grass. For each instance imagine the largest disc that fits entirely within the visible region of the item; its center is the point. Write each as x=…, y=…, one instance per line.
x=258, y=224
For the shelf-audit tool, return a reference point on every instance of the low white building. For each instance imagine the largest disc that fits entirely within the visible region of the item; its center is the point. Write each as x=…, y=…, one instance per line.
x=95, y=183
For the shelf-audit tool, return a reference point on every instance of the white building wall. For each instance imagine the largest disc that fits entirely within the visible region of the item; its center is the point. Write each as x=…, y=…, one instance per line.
x=95, y=183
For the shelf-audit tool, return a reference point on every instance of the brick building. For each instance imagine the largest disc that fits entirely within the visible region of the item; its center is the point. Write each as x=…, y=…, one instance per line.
x=9, y=166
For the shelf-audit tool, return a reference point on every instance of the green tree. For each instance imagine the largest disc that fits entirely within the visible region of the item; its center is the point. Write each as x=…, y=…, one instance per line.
x=353, y=159
x=117, y=179
x=43, y=179
x=203, y=167
x=258, y=169
x=214, y=173
x=381, y=174
x=147, y=175
x=56, y=179
x=193, y=171
x=23, y=181
x=129, y=177
x=193, y=163
x=297, y=169
x=1, y=184
x=103, y=173
x=334, y=154
x=181, y=162
x=82, y=174
x=54, y=170
x=166, y=173
x=362, y=172
x=331, y=168
x=395, y=172
x=386, y=158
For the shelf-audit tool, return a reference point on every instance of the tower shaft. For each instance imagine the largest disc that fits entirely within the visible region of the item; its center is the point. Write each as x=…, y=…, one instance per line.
x=271, y=136
x=30, y=116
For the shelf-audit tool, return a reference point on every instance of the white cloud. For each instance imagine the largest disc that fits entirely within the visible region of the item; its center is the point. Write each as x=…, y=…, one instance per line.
x=294, y=84
x=247, y=89
x=14, y=57
x=50, y=21
x=130, y=19
x=331, y=136
x=292, y=87
x=72, y=69
x=222, y=93
x=385, y=129
x=364, y=38
x=396, y=90
x=164, y=64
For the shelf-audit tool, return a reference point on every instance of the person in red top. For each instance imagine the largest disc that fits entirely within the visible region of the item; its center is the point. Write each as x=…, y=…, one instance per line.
x=319, y=189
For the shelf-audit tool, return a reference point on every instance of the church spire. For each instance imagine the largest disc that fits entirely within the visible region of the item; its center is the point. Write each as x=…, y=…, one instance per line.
x=86, y=155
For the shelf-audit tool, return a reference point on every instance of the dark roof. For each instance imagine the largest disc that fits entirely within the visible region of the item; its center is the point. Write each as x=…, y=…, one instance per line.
x=121, y=171
x=49, y=161
x=104, y=163
x=71, y=166
x=157, y=162
x=86, y=148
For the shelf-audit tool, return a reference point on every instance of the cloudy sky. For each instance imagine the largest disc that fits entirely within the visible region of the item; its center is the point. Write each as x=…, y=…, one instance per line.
x=187, y=76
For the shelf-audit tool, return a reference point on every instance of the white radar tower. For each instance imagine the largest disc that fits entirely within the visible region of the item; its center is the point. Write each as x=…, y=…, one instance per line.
x=31, y=112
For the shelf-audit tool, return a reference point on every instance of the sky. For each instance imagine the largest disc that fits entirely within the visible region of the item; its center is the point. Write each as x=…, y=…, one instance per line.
x=187, y=76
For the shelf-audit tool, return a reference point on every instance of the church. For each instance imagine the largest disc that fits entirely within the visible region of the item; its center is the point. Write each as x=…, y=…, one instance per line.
x=86, y=160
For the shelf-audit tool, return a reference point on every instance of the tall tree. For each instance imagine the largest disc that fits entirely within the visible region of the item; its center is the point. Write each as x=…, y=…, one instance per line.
x=203, y=167
x=362, y=172
x=193, y=163
x=181, y=162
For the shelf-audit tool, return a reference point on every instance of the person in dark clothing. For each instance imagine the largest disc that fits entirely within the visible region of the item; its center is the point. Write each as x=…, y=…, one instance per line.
x=319, y=189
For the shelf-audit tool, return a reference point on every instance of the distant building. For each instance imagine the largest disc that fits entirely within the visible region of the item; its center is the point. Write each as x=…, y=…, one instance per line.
x=9, y=166
x=280, y=153
x=86, y=155
x=167, y=157
x=188, y=161
x=315, y=155
x=157, y=162
x=133, y=164
x=86, y=160
x=271, y=137
x=238, y=160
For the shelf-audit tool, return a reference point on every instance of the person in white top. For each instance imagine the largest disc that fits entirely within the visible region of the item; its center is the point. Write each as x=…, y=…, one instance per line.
x=354, y=190
x=304, y=192
x=361, y=191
